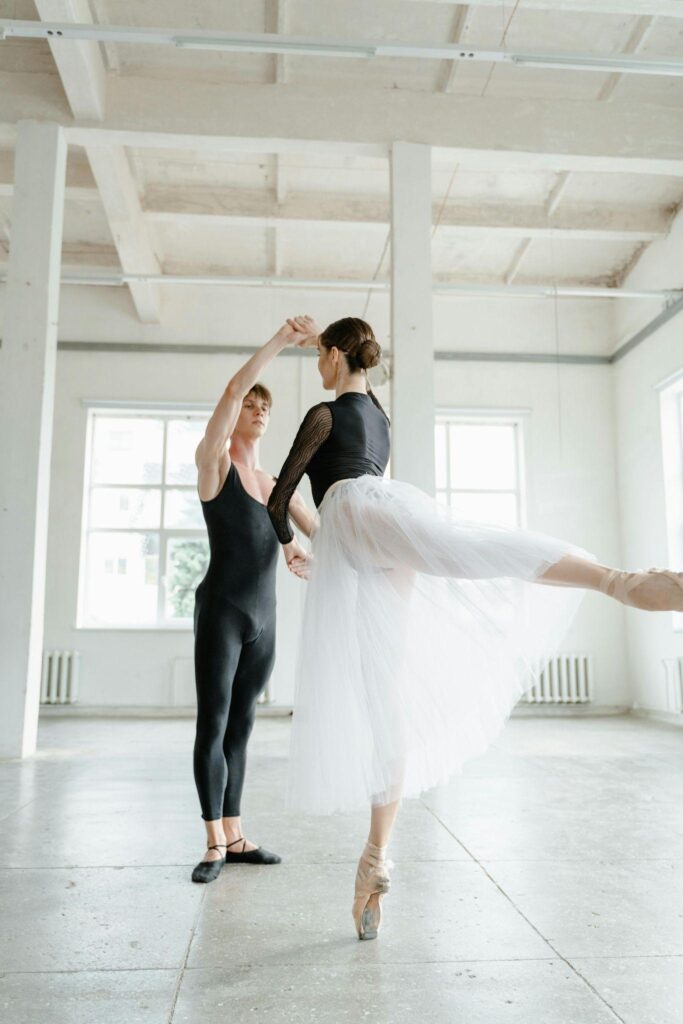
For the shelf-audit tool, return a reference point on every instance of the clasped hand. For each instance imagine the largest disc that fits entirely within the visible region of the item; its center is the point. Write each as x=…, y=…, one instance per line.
x=298, y=560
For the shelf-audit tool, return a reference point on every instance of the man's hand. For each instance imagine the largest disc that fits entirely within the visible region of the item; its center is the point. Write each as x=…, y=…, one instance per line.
x=307, y=331
x=298, y=561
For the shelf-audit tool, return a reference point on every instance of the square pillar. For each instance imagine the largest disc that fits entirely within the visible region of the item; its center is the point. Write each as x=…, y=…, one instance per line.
x=412, y=345
x=27, y=384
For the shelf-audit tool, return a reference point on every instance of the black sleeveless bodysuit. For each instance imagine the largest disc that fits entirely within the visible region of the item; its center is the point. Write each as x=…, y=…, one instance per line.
x=234, y=625
x=337, y=440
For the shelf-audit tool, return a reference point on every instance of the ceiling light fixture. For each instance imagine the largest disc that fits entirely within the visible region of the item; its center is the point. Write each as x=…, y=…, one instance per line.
x=281, y=44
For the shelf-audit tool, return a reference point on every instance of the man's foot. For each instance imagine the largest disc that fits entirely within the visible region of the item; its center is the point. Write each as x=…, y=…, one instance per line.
x=210, y=868
x=241, y=851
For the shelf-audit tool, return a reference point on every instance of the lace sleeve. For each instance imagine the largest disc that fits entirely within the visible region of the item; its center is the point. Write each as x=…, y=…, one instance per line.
x=314, y=430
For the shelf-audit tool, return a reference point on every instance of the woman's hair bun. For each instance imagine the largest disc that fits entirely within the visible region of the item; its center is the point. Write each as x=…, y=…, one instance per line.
x=368, y=354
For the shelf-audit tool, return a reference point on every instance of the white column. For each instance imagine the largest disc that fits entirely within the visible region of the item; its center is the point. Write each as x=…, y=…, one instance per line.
x=27, y=382
x=412, y=345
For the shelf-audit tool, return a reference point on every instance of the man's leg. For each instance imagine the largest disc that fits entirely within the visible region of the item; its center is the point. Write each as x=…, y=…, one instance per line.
x=217, y=652
x=252, y=675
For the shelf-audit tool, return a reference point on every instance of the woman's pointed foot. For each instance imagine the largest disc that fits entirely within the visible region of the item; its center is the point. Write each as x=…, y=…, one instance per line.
x=208, y=870
x=654, y=590
x=372, y=883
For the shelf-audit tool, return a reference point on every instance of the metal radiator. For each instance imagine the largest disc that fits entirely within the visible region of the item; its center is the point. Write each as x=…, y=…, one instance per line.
x=566, y=679
x=59, y=680
x=673, y=668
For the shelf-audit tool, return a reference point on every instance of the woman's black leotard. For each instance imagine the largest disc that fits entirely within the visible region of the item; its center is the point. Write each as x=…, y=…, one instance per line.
x=336, y=441
x=234, y=625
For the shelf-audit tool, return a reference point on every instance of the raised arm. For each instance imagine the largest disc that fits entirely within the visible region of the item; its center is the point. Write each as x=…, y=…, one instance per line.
x=314, y=431
x=212, y=455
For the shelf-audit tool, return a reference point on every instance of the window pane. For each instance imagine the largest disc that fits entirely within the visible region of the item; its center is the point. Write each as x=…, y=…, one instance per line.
x=186, y=566
x=125, y=507
x=182, y=509
x=127, y=450
x=441, y=467
x=122, y=579
x=181, y=443
x=482, y=456
x=500, y=509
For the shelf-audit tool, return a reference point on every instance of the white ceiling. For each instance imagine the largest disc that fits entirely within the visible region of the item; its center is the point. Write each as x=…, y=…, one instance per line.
x=319, y=216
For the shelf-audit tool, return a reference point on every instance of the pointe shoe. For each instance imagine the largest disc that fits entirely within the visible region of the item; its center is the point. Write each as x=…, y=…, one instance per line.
x=372, y=883
x=661, y=589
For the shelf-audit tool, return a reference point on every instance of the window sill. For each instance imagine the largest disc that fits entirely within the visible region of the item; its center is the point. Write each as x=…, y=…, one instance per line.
x=134, y=629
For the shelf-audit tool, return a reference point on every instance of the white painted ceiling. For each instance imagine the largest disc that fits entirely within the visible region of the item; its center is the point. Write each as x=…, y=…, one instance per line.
x=302, y=215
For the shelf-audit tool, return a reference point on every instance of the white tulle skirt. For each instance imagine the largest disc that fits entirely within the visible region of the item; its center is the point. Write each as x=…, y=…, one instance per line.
x=420, y=632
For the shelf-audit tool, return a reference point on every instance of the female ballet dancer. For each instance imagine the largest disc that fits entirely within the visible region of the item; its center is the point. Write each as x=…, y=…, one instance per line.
x=420, y=630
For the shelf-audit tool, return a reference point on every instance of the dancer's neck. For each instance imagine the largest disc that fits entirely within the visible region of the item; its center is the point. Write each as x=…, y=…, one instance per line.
x=356, y=384
x=245, y=452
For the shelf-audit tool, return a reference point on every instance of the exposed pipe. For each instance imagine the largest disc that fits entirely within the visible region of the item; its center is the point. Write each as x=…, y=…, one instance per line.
x=540, y=291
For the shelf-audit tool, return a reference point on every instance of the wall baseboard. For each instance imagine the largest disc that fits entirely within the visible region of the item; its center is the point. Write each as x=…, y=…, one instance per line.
x=145, y=711
x=568, y=710
x=667, y=717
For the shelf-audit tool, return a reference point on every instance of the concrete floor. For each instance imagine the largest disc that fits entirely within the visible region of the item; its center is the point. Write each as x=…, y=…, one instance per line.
x=545, y=886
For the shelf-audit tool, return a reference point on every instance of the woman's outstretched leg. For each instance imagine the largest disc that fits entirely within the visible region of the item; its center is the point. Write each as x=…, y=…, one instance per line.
x=654, y=590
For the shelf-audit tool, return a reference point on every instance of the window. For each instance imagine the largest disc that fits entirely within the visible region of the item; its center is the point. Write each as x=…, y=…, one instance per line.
x=671, y=407
x=144, y=545
x=479, y=466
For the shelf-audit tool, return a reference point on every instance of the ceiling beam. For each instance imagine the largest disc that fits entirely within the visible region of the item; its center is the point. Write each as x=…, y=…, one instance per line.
x=257, y=208
x=637, y=38
x=83, y=76
x=457, y=35
x=492, y=133
x=79, y=62
x=656, y=8
x=544, y=132
x=477, y=288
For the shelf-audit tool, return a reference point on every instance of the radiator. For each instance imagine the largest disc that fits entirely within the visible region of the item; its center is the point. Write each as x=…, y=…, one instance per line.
x=59, y=680
x=566, y=679
x=673, y=668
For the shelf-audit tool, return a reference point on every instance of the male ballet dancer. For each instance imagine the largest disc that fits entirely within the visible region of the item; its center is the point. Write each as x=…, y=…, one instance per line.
x=235, y=604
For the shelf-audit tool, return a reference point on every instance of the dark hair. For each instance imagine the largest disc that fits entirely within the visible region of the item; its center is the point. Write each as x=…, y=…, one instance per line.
x=262, y=393
x=356, y=339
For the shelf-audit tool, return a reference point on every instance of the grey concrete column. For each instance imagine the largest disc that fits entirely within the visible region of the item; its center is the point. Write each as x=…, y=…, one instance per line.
x=27, y=382
x=412, y=387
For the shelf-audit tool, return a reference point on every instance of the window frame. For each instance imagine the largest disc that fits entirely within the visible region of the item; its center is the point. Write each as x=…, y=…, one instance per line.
x=516, y=418
x=165, y=412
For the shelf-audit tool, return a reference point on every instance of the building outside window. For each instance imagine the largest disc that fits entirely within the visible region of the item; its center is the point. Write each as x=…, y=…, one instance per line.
x=144, y=544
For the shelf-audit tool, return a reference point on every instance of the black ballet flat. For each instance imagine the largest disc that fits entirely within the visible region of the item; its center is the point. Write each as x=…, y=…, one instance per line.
x=208, y=870
x=257, y=856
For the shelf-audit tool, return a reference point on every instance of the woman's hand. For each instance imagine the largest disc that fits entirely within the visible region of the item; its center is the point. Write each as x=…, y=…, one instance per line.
x=307, y=331
x=298, y=561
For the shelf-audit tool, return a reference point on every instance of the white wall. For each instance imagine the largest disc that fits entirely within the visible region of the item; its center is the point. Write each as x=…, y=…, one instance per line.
x=571, y=481
x=649, y=638
x=247, y=316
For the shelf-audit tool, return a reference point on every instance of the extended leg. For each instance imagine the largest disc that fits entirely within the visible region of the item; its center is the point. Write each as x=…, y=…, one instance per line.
x=653, y=590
